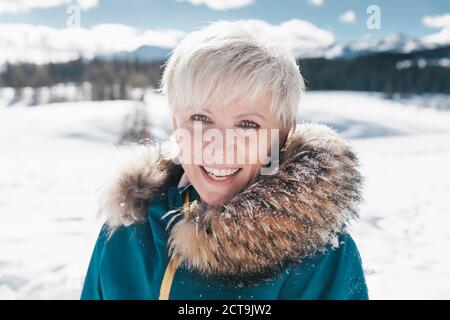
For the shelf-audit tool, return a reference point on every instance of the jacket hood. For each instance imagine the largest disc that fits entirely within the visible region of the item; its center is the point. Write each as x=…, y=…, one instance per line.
x=277, y=220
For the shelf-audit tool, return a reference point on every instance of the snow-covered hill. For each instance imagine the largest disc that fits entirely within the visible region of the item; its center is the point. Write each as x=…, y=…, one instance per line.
x=144, y=53
x=395, y=43
x=55, y=157
x=392, y=43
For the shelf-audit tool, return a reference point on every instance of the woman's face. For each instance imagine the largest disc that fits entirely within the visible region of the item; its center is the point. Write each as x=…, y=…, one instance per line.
x=223, y=148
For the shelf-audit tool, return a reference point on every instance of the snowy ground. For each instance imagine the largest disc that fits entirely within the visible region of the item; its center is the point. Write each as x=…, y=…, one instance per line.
x=54, y=158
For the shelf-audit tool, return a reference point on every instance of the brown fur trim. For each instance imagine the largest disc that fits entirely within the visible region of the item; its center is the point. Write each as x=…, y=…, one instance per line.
x=124, y=199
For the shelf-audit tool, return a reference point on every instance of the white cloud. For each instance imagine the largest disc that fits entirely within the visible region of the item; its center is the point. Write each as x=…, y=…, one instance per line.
x=41, y=44
x=301, y=37
x=348, y=17
x=220, y=4
x=441, y=22
x=316, y=3
x=87, y=4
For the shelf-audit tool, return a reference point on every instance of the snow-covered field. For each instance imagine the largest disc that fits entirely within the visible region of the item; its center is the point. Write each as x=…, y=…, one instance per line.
x=404, y=231
x=54, y=158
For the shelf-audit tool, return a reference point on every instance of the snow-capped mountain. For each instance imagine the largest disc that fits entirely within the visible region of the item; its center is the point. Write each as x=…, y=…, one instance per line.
x=396, y=43
x=144, y=53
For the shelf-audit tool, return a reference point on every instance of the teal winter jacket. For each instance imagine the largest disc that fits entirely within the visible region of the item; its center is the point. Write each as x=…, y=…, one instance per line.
x=282, y=237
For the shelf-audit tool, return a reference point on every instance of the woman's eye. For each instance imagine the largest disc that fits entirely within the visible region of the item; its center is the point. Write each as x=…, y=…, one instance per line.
x=247, y=124
x=200, y=117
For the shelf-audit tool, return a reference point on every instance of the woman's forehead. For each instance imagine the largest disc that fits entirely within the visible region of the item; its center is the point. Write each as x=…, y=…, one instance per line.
x=259, y=106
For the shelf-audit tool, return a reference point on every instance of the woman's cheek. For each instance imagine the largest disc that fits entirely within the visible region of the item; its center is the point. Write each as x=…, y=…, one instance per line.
x=257, y=151
x=189, y=147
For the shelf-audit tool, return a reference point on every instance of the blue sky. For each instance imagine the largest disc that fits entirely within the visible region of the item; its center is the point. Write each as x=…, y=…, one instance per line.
x=37, y=30
x=396, y=16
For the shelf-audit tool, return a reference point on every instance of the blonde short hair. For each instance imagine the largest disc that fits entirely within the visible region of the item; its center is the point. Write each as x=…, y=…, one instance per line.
x=224, y=62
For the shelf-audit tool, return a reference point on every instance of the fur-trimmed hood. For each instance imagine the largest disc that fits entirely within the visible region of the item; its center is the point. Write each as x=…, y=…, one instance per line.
x=277, y=220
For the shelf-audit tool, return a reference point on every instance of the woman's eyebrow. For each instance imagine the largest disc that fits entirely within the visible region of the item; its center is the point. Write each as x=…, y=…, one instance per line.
x=206, y=110
x=252, y=114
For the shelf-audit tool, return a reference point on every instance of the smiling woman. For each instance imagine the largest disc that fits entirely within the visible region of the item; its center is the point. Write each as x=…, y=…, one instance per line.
x=215, y=226
x=225, y=77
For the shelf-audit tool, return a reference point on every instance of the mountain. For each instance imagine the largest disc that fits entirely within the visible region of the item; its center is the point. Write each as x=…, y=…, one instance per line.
x=394, y=43
x=144, y=53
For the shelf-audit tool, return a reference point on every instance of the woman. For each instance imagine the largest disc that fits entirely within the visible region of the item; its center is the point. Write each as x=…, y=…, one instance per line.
x=268, y=222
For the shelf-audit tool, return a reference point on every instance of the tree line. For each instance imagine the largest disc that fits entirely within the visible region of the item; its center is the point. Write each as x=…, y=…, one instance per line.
x=112, y=78
x=377, y=73
x=109, y=78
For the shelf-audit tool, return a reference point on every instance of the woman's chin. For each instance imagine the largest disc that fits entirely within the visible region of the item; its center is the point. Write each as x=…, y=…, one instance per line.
x=214, y=202
x=216, y=192
x=215, y=198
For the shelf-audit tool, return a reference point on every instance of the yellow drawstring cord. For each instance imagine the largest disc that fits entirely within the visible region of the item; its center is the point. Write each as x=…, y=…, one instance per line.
x=166, y=284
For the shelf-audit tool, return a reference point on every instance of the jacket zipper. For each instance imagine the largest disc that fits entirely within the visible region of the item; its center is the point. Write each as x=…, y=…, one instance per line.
x=171, y=268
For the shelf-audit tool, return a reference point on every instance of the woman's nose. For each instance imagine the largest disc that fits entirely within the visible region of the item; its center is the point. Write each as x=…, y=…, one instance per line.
x=225, y=147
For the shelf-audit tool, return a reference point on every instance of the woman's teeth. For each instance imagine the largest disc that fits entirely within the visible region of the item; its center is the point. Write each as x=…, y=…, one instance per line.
x=220, y=173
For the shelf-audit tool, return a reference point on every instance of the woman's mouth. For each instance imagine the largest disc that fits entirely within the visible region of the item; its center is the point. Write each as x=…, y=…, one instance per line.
x=220, y=174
